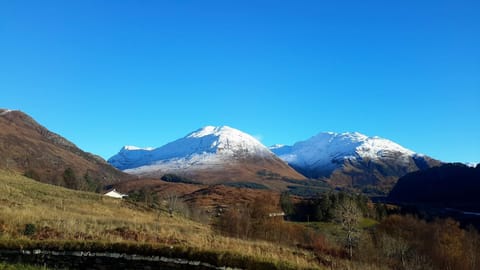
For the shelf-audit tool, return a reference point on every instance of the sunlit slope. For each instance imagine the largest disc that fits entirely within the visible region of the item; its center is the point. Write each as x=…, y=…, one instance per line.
x=68, y=215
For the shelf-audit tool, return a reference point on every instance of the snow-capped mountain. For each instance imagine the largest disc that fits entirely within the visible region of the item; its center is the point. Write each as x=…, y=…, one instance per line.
x=472, y=164
x=206, y=146
x=352, y=158
x=207, y=149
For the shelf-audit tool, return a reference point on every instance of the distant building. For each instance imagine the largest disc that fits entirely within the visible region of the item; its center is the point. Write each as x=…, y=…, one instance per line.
x=115, y=194
x=281, y=214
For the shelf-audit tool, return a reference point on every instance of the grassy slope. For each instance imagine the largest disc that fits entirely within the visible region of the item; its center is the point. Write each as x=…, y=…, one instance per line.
x=80, y=216
x=8, y=266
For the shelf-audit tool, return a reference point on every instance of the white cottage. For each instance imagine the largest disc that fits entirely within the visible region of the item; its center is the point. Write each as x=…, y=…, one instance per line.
x=115, y=194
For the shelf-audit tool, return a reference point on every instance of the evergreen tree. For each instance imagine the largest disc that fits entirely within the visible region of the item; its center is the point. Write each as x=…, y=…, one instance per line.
x=70, y=179
x=287, y=204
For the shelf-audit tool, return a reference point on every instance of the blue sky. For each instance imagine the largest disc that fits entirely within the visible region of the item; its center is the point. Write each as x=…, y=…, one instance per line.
x=111, y=73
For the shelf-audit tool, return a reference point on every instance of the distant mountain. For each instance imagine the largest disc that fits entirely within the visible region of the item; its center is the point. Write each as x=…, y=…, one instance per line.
x=452, y=185
x=472, y=164
x=352, y=159
x=31, y=149
x=210, y=155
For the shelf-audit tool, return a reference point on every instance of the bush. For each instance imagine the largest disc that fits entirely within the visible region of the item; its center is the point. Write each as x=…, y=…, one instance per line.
x=173, y=178
x=70, y=179
x=246, y=185
x=30, y=229
x=32, y=174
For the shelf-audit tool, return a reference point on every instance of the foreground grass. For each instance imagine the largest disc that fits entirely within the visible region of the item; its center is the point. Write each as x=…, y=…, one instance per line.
x=68, y=219
x=7, y=266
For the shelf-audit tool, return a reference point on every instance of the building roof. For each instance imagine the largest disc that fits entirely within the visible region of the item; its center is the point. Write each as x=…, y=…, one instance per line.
x=114, y=194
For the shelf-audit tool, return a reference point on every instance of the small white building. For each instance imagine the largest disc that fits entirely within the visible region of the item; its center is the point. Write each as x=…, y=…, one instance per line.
x=281, y=214
x=115, y=194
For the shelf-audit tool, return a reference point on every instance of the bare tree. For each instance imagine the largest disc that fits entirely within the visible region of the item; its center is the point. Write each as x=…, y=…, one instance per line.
x=172, y=201
x=348, y=215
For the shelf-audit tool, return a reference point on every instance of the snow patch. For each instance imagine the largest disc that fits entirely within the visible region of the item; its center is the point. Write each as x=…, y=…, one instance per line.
x=329, y=148
x=133, y=148
x=208, y=146
x=5, y=112
x=276, y=146
x=471, y=164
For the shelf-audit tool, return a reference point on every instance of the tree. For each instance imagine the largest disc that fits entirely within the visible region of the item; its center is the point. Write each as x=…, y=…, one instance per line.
x=70, y=179
x=448, y=248
x=348, y=215
x=91, y=184
x=236, y=222
x=31, y=173
x=380, y=211
x=472, y=246
x=287, y=204
x=176, y=179
x=250, y=220
x=362, y=203
x=144, y=195
x=172, y=201
x=324, y=209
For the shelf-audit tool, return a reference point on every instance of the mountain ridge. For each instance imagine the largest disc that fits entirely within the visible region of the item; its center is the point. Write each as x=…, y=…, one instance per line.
x=212, y=154
x=352, y=159
x=28, y=147
x=206, y=140
x=451, y=185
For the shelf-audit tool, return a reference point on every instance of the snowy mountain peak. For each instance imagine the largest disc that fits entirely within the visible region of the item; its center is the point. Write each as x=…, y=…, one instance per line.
x=472, y=164
x=222, y=139
x=203, y=145
x=5, y=111
x=211, y=130
x=134, y=148
x=276, y=146
x=352, y=158
x=329, y=148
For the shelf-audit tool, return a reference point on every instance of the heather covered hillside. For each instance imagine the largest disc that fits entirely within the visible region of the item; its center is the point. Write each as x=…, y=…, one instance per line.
x=37, y=215
x=29, y=148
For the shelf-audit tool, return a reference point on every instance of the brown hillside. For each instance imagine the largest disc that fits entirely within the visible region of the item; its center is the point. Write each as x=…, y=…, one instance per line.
x=269, y=172
x=31, y=149
x=203, y=196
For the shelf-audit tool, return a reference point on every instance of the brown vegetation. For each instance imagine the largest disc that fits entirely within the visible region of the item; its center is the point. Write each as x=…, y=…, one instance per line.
x=75, y=220
x=405, y=242
x=198, y=196
x=242, y=170
x=29, y=148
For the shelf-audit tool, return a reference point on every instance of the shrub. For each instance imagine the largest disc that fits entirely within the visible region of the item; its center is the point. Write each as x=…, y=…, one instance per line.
x=31, y=173
x=30, y=229
x=246, y=185
x=173, y=178
x=70, y=179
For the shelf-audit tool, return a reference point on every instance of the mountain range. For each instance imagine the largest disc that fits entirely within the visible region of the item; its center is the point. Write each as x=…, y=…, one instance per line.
x=210, y=155
x=353, y=159
x=217, y=154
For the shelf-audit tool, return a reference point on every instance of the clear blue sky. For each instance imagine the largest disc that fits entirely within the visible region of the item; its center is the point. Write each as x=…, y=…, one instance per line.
x=110, y=73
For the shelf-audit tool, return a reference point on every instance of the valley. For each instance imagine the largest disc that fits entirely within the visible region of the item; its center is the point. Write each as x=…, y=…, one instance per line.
x=239, y=135
x=220, y=198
